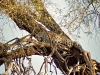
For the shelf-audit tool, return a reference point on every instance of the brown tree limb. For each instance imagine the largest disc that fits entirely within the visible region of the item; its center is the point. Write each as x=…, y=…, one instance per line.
x=38, y=49
x=45, y=18
x=27, y=22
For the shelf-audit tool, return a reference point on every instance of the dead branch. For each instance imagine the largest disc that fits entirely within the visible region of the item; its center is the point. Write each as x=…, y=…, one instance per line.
x=9, y=68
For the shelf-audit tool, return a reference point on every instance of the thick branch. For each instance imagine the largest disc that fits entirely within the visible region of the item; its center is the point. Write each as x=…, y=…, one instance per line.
x=45, y=18
x=25, y=18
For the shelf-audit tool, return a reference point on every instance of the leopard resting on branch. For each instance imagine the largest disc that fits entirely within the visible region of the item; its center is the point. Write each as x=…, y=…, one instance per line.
x=54, y=39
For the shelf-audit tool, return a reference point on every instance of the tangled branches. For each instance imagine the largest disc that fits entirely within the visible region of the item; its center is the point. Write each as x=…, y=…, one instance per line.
x=69, y=60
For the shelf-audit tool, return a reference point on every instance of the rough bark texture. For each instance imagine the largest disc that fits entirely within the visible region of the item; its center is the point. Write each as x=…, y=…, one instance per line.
x=69, y=56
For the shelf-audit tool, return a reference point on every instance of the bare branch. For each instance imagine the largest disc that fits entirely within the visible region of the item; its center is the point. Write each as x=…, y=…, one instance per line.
x=9, y=68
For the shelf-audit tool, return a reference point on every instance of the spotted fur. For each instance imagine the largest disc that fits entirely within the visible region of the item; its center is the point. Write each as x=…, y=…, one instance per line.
x=54, y=38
